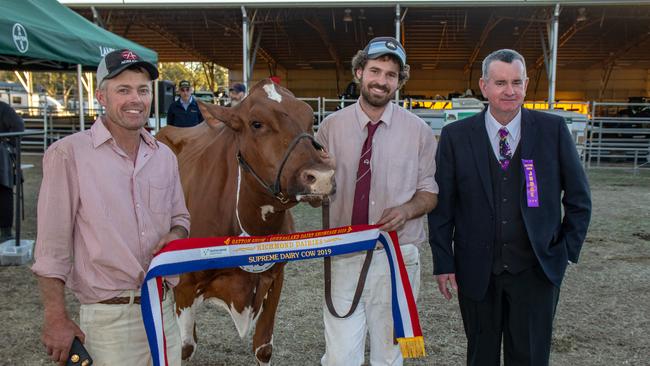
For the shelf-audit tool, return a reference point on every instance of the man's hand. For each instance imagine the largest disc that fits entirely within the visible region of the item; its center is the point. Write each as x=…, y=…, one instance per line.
x=328, y=159
x=393, y=219
x=58, y=329
x=442, y=280
x=57, y=336
x=177, y=232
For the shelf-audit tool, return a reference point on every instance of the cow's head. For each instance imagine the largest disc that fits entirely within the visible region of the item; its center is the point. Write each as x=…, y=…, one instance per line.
x=274, y=133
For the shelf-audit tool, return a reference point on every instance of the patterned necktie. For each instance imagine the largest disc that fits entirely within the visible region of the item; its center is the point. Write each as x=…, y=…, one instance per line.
x=362, y=190
x=504, y=149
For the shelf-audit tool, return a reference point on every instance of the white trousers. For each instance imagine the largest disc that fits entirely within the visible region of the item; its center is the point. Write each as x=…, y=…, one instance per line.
x=345, y=338
x=115, y=334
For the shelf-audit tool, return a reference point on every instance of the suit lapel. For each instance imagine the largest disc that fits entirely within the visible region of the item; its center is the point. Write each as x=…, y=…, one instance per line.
x=528, y=133
x=480, y=149
x=527, y=143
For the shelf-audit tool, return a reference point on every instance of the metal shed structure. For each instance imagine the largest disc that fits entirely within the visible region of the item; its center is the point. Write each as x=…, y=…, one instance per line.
x=310, y=43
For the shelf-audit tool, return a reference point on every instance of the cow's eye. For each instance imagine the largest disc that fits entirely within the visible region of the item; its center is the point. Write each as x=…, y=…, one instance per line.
x=256, y=125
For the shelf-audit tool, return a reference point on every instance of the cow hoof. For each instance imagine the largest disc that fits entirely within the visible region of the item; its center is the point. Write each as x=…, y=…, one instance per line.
x=263, y=355
x=187, y=352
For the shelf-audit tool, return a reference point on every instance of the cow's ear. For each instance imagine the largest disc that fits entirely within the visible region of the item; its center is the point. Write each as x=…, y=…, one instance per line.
x=215, y=114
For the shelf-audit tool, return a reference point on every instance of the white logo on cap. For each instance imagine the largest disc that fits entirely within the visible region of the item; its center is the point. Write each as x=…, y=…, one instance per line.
x=103, y=50
x=391, y=45
x=19, y=34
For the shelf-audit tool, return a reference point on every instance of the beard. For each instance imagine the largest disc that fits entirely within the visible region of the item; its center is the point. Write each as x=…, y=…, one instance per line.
x=375, y=100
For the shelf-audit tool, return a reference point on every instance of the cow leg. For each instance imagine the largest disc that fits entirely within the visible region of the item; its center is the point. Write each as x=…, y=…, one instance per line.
x=186, y=305
x=263, y=337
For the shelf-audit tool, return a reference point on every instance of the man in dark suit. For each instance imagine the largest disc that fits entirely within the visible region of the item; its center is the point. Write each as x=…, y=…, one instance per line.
x=504, y=176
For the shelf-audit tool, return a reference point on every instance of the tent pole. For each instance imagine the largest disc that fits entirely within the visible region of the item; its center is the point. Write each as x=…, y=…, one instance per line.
x=397, y=37
x=80, y=98
x=156, y=105
x=91, y=92
x=245, y=71
x=553, y=63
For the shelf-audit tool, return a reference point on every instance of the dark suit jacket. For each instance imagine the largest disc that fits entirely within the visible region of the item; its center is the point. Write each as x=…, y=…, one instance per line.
x=465, y=211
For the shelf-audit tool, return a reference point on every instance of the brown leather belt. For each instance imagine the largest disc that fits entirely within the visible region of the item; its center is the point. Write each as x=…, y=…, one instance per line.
x=124, y=300
x=121, y=300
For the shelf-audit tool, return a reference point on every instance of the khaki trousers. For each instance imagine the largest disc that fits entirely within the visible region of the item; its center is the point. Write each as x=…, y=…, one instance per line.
x=115, y=334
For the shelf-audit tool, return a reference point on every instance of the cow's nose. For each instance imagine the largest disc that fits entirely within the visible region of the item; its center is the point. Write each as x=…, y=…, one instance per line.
x=318, y=181
x=307, y=177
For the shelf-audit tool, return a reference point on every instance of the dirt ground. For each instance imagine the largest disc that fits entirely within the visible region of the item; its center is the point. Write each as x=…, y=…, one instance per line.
x=603, y=316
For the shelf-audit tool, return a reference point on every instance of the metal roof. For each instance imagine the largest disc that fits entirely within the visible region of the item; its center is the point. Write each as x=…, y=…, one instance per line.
x=435, y=37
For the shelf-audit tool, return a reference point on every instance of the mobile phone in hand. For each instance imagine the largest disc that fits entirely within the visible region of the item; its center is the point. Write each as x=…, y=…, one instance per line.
x=78, y=356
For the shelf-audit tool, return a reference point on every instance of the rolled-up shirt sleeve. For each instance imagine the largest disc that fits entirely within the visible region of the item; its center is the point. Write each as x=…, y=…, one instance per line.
x=180, y=215
x=58, y=202
x=427, y=162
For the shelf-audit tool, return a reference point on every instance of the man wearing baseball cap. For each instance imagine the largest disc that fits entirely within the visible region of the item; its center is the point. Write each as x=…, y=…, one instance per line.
x=184, y=112
x=110, y=198
x=381, y=180
x=236, y=92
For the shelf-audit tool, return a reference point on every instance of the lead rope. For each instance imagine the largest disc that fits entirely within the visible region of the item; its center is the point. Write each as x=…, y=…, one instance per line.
x=251, y=268
x=327, y=271
x=243, y=232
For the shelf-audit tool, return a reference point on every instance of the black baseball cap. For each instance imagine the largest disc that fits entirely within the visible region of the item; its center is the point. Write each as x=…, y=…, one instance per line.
x=385, y=45
x=238, y=87
x=117, y=61
x=184, y=84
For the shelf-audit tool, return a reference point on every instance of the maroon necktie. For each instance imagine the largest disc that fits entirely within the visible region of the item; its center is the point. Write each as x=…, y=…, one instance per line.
x=362, y=190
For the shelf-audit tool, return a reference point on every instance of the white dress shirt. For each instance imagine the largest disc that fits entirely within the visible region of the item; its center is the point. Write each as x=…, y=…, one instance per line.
x=493, y=127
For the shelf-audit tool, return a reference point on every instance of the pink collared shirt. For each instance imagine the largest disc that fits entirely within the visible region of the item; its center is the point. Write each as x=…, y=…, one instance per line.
x=402, y=163
x=100, y=216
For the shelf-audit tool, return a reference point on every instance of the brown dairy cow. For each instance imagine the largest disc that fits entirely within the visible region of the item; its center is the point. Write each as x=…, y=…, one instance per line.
x=265, y=144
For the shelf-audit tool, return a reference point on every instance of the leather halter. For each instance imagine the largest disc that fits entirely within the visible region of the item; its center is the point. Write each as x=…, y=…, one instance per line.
x=276, y=189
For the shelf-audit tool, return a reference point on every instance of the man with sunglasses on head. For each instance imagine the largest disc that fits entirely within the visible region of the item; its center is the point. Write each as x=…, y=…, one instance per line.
x=184, y=112
x=385, y=166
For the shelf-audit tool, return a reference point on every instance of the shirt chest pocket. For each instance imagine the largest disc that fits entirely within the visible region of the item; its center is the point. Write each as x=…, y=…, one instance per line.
x=402, y=177
x=160, y=195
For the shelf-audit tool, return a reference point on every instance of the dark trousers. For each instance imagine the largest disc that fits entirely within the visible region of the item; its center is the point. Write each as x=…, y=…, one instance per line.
x=6, y=207
x=518, y=308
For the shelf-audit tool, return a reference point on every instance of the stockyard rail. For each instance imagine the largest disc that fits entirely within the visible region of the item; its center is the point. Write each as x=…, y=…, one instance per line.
x=606, y=137
x=616, y=137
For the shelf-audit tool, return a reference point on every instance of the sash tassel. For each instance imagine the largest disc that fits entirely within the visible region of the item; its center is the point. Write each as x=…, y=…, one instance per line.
x=412, y=347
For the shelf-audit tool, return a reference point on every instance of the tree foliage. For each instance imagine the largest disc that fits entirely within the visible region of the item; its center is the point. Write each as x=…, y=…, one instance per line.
x=63, y=85
x=202, y=75
x=58, y=85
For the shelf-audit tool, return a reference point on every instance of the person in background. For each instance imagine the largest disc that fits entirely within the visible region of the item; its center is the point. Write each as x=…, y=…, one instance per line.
x=9, y=122
x=110, y=199
x=184, y=112
x=513, y=211
x=237, y=92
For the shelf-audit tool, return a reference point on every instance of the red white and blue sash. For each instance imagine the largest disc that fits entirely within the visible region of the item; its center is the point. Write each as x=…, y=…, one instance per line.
x=197, y=254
